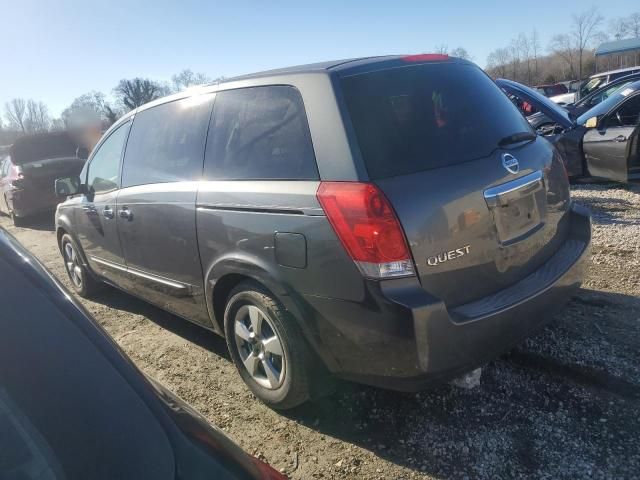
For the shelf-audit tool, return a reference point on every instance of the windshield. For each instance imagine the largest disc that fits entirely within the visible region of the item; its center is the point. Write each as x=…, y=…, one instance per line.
x=592, y=85
x=597, y=97
x=603, y=107
x=426, y=116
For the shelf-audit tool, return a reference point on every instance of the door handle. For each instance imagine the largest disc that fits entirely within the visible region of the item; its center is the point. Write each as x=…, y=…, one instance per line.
x=107, y=212
x=125, y=213
x=620, y=138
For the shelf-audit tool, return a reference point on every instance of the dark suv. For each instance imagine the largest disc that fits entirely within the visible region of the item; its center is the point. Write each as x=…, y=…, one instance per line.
x=393, y=221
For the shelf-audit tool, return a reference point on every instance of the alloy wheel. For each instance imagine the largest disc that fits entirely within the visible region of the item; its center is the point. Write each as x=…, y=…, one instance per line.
x=259, y=347
x=73, y=265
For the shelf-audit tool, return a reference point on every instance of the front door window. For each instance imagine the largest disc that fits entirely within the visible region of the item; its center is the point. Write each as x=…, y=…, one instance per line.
x=105, y=165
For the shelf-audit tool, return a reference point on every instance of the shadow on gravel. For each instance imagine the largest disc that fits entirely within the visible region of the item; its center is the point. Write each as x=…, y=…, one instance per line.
x=42, y=221
x=553, y=407
x=605, y=211
x=114, y=298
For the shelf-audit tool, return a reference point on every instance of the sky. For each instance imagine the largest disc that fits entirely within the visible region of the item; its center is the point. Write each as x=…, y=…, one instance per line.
x=56, y=50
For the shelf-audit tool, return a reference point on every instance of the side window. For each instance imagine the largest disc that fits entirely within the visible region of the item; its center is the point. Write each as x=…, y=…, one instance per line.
x=166, y=143
x=104, y=168
x=627, y=114
x=260, y=133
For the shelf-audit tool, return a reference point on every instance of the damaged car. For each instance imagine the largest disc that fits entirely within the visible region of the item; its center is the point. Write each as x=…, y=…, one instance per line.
x=28, y=173
x=602, y=143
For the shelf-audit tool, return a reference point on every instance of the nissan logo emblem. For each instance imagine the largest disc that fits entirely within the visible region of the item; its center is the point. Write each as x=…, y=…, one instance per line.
x=510, y=163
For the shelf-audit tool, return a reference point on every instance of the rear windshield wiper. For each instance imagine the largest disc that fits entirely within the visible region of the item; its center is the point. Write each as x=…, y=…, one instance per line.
x=517, y=138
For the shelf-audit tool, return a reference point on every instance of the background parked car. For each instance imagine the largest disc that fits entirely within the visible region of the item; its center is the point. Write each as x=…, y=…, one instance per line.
x=551, y=90
x=73, y=406
x=600, y=94
x=593, y=83
x=602, y=142
x=28, y=174
x=538, y=119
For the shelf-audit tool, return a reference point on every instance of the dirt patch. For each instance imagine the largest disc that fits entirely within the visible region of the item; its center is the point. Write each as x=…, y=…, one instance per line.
x=563, y=404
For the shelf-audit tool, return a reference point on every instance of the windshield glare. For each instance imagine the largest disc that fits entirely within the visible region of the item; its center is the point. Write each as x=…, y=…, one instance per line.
x=591, y=86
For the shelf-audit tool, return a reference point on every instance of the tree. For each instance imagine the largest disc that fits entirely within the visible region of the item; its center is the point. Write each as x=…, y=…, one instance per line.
x=585, y=31
x=461, y=52
x=618, y=27
x=442, y=49
x=112, y=114
x=514, y=56
x=497, y=62
x=186, y=78
x=562, y=46
x=57, y=125
x=132, y=93
x=92, y=107
x=633, y=25
x=524, y=51
x=15, y=112
x=535, y=50
x=37, y=117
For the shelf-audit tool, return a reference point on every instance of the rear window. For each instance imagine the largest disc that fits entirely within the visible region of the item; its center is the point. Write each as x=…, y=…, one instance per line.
x=43, y=146
x=416, y=118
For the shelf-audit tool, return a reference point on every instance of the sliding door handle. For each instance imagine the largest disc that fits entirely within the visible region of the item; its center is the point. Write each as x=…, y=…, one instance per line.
x=125, y=213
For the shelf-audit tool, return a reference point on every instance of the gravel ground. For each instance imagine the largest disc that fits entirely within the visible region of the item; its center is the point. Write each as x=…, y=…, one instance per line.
x=564, y=404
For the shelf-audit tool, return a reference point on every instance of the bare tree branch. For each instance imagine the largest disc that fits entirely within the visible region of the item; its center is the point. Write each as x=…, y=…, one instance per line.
x=15, y=111
x=37, y=117
x=186, y=78
x=138, y=91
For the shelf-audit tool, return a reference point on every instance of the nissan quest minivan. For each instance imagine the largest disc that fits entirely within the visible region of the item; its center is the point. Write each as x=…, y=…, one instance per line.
x=393, y=221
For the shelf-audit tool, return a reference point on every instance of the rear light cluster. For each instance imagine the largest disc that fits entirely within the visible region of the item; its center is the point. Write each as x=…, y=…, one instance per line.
x=18, y=181
x=367, y=226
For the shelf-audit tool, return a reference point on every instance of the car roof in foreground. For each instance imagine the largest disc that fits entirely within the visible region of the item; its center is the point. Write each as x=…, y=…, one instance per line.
x=198, y=446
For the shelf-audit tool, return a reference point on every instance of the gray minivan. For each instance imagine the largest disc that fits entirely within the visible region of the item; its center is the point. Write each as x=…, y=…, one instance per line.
x=393, y=221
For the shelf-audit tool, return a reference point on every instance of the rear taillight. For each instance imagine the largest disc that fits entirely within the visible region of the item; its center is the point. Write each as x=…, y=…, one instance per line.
x=368, y=228
x=18, y=181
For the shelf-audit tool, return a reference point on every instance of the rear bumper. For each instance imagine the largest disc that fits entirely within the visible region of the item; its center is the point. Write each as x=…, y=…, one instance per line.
x=27, y=202
x=402, y=338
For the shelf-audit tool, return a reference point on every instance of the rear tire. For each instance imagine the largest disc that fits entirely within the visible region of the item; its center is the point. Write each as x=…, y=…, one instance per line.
x=82, y=282
x=271, y=355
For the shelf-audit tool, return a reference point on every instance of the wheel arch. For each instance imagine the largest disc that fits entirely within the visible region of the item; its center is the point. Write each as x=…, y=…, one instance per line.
x=63, y=227
x=226, y=273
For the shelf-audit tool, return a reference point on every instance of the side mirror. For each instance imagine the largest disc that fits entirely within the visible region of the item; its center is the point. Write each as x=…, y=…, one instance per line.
x=68, y=186
x=592, y=122
x=82, y=153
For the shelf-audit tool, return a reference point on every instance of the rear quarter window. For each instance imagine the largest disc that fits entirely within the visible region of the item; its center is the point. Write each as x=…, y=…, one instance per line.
x=420, y=117
x=260, y=133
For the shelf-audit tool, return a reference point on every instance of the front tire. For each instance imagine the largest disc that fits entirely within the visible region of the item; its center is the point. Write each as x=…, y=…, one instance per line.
x=82, y=282
x=270, y=354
